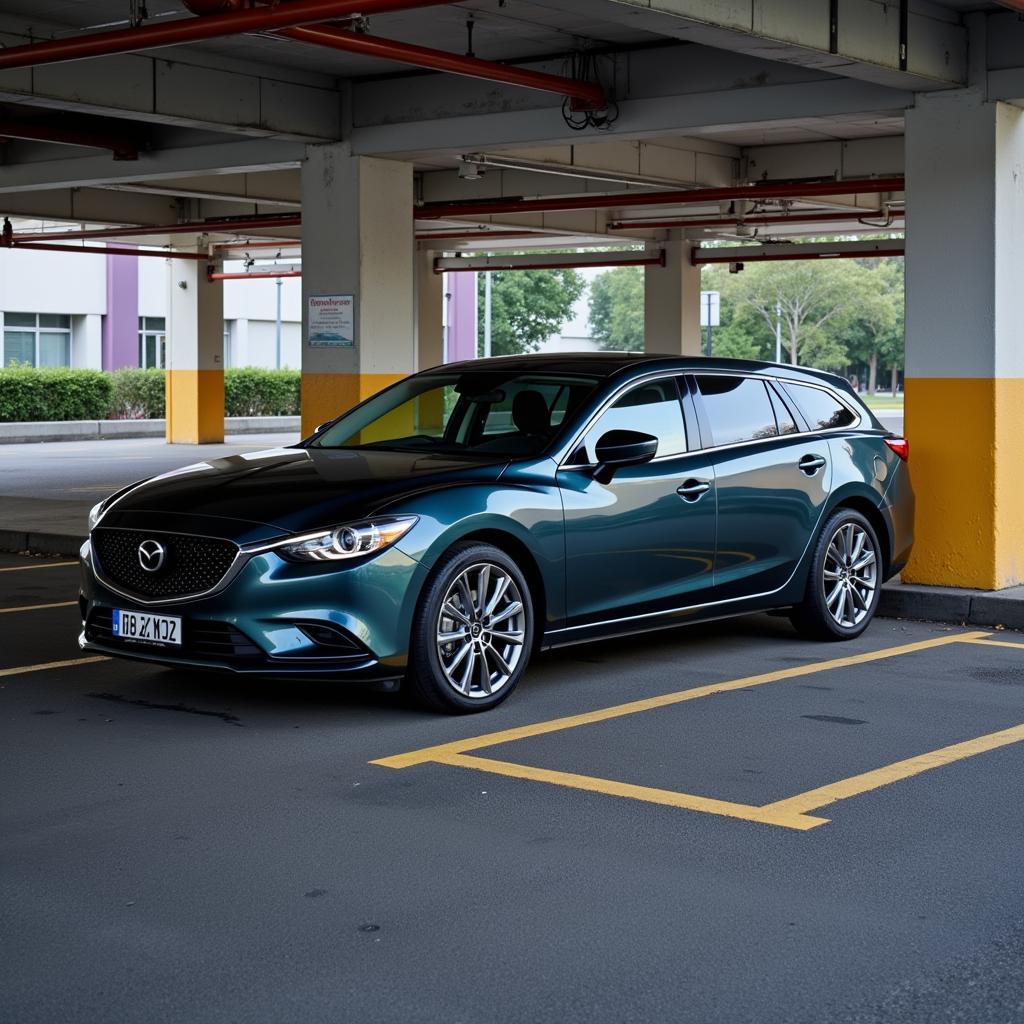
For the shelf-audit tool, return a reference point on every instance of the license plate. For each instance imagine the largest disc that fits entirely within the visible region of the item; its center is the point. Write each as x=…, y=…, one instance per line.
x=147, y=628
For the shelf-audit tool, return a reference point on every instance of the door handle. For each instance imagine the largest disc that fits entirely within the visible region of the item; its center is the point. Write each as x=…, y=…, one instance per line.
x=691, y=490
x=810, y=464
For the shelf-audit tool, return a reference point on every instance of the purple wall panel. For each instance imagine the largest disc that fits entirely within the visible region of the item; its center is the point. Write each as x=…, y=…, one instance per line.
x=461, y=316
x=121, y=324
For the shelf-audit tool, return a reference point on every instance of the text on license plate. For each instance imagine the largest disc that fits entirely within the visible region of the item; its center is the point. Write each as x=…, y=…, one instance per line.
x=159, y=629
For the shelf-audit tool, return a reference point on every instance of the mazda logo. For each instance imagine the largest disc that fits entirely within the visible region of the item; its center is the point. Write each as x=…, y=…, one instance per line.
x=152, y=555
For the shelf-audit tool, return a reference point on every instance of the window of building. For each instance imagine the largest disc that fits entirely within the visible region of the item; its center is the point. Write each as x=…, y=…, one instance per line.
x=152, y=342
x=738, y=409
x=821, y=410
x=37, y=339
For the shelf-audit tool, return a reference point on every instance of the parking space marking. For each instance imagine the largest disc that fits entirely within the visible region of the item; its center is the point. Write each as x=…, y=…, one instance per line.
x=790, y=812
x=37, y=607
x=22, y=669
x=997, y=643
x=444, y=750
x=44, y=565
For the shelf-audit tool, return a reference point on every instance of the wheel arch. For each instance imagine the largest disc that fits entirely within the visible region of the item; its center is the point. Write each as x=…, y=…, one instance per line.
x=871, y=512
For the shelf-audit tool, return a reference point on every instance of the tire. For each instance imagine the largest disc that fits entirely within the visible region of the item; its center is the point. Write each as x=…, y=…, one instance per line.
x=490, y=638
x=844, y=583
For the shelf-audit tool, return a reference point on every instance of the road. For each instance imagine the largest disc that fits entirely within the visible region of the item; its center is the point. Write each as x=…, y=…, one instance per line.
x=762, y=841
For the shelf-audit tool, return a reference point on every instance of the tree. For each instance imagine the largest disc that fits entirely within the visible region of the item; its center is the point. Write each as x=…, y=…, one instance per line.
x=527, y=306
x=875, y=323
x=617, y=309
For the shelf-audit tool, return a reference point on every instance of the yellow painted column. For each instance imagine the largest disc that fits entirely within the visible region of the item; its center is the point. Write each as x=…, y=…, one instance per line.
x=965, y=340
x=194, y=379
x=358, y=280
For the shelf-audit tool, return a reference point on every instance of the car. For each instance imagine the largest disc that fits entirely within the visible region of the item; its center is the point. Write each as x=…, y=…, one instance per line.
x=442, y=531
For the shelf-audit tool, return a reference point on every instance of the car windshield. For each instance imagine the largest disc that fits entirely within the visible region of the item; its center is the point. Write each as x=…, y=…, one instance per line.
x=485, y=412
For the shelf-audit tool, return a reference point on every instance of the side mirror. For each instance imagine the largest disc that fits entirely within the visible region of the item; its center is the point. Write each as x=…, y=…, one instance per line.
x=618, y=448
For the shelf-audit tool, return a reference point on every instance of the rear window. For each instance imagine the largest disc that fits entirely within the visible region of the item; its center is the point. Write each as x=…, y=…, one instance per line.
x=738, y=409
x=821, y=410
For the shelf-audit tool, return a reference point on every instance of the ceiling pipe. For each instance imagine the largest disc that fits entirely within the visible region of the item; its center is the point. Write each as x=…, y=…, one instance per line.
x=193, y=30
x=774, y=218
x=677, y=197
x=108, y=250
x=193, y=227
x=429, y=236
x=261, y=244
x=122, y=148
x=583, y=95
x=443, y=265
x=257, y=275
x=801, y=251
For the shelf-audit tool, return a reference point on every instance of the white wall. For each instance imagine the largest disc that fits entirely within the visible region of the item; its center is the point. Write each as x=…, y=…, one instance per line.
x=52, y=282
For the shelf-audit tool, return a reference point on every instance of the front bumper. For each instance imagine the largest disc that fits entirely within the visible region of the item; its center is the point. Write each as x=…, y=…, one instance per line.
x=274, y=617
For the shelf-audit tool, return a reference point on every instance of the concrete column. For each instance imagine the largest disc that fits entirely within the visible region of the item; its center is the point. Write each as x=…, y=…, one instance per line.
x=672, y=302
x=965, y=338
x=195, y=355
x=358, y=245
x=429, y=313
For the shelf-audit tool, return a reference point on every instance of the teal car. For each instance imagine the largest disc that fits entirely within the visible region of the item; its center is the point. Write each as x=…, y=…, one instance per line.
x=445, y=529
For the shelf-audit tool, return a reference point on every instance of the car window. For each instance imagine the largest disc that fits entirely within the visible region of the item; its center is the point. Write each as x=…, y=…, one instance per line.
x=738, y=408
x=821, y=410
x=783, y=417
x=651, y=408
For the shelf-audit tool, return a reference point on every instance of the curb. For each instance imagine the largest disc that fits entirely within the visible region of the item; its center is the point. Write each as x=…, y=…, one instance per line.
x=97, y=430
x=898, y=600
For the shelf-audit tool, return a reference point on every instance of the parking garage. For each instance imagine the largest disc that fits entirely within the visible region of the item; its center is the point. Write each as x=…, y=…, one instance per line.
x=720, y=823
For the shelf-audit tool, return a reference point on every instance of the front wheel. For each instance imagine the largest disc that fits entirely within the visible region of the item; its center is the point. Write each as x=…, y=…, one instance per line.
x=473, y=632
x=845, y=579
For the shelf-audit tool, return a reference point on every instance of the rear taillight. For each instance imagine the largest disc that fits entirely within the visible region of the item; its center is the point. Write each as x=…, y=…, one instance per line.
x=900, y=445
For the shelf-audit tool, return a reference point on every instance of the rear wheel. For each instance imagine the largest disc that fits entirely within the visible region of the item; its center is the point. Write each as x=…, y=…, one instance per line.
x=473, y=632
x=843, y=587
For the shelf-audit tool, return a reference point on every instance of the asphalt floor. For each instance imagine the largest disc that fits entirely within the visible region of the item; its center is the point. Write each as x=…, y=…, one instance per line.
x=713, y=824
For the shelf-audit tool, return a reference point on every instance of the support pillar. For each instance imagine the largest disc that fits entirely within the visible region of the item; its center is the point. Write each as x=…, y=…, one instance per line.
x=672, y=302
x=195, y=355
x=965, y=339
x=357, y=249
x=429, y=313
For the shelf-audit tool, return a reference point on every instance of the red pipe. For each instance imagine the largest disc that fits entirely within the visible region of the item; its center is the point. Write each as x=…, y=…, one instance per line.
x=779, y=218
x=262, y=244
x=255, y=276
x=722, y=255
x=194, y=227
x=486, y=207
x=108, y=250
x=426, y=236
x=636, y=261
x=191, y=30
x=584, y=95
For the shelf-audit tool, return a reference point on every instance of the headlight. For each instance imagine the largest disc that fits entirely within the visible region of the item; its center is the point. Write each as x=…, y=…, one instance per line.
x=95, y=514
x=349, y=541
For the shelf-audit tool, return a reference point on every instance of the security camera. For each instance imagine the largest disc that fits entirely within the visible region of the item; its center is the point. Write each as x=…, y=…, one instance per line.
x=735, y=268
x=470, y=171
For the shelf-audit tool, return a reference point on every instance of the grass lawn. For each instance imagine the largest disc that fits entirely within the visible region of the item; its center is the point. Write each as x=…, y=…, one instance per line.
x=883, y=401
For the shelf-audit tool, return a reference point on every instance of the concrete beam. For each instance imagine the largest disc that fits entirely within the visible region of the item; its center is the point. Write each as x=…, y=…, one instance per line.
x=864, y=42
x=181, y=86
x=854, y=158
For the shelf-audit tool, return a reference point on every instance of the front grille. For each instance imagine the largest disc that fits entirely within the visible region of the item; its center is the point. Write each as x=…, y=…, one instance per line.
x=201, y=638
x=192, y=564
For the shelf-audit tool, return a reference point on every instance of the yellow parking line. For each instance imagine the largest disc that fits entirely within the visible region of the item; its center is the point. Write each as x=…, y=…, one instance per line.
x=843, y=790
x=997, y=643
x=770, y=815
x=444, y=751
x=21, y=669
x=42, y=565
x=37, y=607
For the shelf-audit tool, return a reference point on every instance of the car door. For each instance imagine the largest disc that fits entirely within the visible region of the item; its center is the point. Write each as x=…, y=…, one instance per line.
x=772, y=481
x=644, y=541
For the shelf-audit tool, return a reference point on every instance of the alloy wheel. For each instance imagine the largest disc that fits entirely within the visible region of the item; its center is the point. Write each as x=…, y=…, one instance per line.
x=481, y=630
x=850, y=574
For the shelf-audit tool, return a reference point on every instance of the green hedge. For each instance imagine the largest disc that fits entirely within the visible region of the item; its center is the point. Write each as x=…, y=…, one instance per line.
x=137, y=395
x=62, y=394
x=28, y=394
x=249, y=391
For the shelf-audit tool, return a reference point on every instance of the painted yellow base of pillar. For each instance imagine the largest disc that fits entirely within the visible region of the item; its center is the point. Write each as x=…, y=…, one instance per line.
x=967, y=464
x=326, y=395
x=195, y=406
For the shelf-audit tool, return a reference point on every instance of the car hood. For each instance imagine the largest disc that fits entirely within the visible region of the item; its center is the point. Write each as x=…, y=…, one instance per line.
x=291, y=490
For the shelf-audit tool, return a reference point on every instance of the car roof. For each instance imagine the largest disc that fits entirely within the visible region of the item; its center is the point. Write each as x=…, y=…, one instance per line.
x=607, y=364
